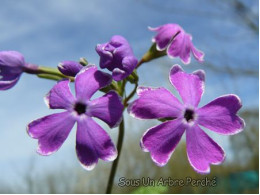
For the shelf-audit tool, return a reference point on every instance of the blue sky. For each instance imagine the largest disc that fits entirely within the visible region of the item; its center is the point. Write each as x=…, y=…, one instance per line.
x=47, y=32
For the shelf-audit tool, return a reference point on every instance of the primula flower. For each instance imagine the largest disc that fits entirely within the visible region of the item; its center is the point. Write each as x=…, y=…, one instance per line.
x=11, y=68
x=218, y=116
x=92, y=142
x=117, y=56
x=69, y=68
x=176, y=42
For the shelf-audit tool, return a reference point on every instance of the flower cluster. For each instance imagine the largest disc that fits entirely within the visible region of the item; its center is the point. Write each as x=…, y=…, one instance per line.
x=92, y=141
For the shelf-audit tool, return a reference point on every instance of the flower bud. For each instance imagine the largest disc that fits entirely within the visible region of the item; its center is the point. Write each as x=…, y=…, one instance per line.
x=11, y=68
x=69, y=68
x=117, y=56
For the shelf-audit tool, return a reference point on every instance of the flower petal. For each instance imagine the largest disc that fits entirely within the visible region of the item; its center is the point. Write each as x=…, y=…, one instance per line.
x=11, y=59
x=106, y=57
x=92, y=143
x=69, y=68
x=8, y=73
x=60, y=96
x=11, y=64
x=165, y=35
x=51, y=131
x=199, y=55
x=189, y=86
x=7, y=84
x=202, y=150
x=154, y=103
x=119, y=74
x=89, y=80
x=180, y=47
x=108, y=108
x=162, y=140
x=220, y=115
x=128, y=65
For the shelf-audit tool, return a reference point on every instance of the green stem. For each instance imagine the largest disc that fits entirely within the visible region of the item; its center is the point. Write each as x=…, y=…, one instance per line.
x=52, y=71
x=115, y=163
x=45, y=72
x=130, y=95
x=144, y=59
x=49, y=76
x=121, y=91
x=122, y=88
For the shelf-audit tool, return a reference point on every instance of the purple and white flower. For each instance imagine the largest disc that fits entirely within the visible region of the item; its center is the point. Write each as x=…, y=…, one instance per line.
x=117, y=56
x=69, y=68
x=92, y=142
x=176, y=42
x=220, y=115
x=11, y=68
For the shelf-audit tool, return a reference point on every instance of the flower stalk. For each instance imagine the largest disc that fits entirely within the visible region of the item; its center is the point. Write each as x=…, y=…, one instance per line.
x=130, y=95
x=115, y=163
x=121, y=92
x=45, y=72
x=151, y=54
x=49, y=76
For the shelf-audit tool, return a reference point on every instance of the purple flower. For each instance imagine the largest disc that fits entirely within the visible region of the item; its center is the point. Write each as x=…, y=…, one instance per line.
x=218, y=116
x=117, y=56
x=177, y=42
x=92, y=142
x=69, y=68
x=11, y=68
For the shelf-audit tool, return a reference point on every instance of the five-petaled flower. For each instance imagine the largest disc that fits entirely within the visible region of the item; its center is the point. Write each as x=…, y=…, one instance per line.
x=218, y=116
x=117, y=56
x=92, y=142
x=11, y=68
x=176, y=42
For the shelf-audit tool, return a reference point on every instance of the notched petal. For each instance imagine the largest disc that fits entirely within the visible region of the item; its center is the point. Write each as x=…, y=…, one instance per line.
x=60, y=96
x=162, y=140
x=89, y=80
x=220, y=115
x=51, y=131
x=200, y=74
x=155, y=103
x=202, y=150
x=108, y=108
x=189, y=86
x=93, y=143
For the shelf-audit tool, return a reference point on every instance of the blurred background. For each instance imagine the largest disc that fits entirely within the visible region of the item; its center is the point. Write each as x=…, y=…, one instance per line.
x=48, y=32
